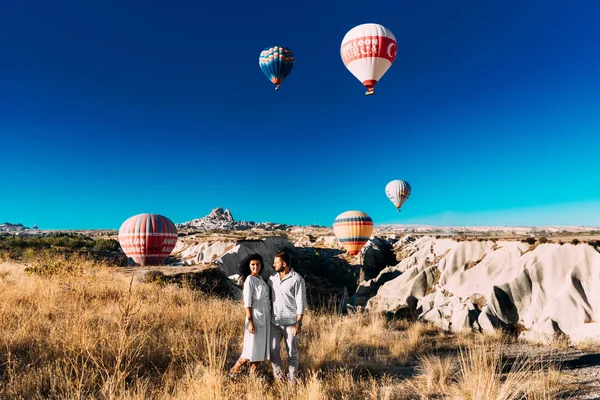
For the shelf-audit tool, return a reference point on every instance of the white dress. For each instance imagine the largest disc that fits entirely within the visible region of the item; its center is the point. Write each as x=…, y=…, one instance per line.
x=256, y=295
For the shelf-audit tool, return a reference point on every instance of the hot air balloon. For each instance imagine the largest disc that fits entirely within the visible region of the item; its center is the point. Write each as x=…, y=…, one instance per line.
x=148, y=238
x=353, y=230
x=276, y=63
x=368, y=51
x=397, y=191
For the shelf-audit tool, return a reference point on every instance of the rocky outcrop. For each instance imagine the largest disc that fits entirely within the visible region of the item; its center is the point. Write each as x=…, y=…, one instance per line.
x=310, y=240
x=220, y=220
x=539, y=291
x=417, y=256
x=376, y=255
x=267, y=248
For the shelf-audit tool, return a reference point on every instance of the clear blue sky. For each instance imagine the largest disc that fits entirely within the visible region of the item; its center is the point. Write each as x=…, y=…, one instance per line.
x=491, y=111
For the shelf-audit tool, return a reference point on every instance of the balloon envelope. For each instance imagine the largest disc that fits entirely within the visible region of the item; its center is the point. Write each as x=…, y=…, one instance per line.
x=398, y=192
x=353, y=230
x=148, y=238
x=276, y=62
x=368, y=51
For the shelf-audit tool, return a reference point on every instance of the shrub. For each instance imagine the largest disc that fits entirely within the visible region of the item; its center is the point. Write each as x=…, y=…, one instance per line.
x=52, y=264
x=529, y=240
x=543, y=239
x=107, y=245
x=575, y=241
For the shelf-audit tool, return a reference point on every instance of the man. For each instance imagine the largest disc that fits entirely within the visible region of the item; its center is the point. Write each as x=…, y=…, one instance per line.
x=288, y=297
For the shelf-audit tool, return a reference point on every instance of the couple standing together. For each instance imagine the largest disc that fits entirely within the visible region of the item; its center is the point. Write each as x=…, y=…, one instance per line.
x=274, y=311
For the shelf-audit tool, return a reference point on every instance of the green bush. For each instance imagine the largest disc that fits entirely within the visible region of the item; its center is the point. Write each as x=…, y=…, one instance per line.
x=107, y=245
x=30, y=248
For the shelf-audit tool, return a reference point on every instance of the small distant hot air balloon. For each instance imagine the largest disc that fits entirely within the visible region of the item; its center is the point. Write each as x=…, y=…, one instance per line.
x=353, y=230
x=368, y=51
x=276, y=63
x=398, y=192
x=148, y=238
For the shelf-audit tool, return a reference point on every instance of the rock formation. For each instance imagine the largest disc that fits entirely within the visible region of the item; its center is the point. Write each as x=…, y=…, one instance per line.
x=220, y=220
x=539, y=290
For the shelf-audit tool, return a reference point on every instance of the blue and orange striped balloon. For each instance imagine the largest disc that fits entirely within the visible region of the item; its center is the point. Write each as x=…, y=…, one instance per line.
x=148, y=238
x=353, y=230
x=276, y=63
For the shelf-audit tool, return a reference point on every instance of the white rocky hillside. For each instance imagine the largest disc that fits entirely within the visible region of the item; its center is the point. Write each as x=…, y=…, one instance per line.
x=228, y=253
x=326, y=270
x=540, y=290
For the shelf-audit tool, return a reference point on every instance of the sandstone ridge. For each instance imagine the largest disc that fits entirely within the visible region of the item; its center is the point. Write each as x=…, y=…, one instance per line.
x=540, y=290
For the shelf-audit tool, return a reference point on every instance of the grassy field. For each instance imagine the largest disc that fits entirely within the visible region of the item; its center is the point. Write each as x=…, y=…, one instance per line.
x=82, y=329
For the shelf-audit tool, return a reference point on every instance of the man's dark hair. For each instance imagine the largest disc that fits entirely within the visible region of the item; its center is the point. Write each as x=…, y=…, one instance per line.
x=285, y=257
x=245, y=266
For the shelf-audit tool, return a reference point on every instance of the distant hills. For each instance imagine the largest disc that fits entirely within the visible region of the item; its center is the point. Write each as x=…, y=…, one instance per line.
x=8, y=227
x=221, y=219
x=458, y=230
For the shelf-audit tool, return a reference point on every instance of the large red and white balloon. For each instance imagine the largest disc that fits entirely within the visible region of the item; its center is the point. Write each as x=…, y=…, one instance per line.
x=368, y=51
x=148, y=238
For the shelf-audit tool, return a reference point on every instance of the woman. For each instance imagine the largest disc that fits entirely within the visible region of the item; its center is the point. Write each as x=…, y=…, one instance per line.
x=258, y=315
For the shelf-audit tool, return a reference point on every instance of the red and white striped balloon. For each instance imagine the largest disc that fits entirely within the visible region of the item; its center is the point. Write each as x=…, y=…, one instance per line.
x=148, y=238
x=368, y=51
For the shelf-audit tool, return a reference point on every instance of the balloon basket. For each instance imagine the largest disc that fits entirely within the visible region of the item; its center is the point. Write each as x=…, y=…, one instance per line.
x=369, y=92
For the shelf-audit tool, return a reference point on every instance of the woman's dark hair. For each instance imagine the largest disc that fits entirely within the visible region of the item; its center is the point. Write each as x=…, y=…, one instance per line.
x=245, y=266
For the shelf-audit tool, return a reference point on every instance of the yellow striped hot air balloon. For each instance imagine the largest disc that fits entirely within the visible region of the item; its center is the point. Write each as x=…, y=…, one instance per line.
x=353, y=230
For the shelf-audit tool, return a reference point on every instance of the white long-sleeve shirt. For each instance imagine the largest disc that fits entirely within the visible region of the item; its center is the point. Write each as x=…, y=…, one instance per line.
x=288, y=296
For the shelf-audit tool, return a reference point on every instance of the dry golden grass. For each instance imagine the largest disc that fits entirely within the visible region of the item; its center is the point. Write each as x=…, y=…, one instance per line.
x=588, y=345
x=91, y=332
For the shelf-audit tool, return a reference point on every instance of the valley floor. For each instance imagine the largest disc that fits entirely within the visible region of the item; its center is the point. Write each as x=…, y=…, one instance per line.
x=91, y=331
